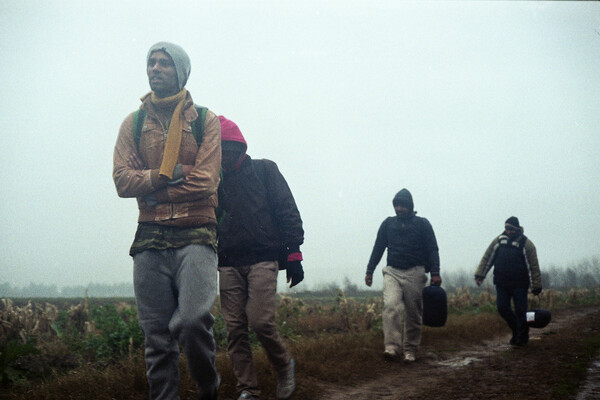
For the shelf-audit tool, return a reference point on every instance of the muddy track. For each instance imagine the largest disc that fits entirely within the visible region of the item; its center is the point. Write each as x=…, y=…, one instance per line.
x=493, y=370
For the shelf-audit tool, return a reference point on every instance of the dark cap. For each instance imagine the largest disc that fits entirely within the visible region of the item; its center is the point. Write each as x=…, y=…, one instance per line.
x=513, y=221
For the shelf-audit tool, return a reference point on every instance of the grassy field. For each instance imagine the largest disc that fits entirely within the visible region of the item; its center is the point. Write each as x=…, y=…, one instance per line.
x=93, y=348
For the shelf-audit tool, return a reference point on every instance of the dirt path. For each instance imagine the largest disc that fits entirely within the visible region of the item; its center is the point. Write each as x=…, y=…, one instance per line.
x=590, y=390
x=492, y=371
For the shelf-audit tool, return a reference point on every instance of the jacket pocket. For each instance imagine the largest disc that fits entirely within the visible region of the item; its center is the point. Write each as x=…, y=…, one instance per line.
x=188, y=150
x=152, y=145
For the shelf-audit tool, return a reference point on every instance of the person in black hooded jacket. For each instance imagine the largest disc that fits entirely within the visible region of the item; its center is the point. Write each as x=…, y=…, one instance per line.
x=260, y=232
x=412, y=251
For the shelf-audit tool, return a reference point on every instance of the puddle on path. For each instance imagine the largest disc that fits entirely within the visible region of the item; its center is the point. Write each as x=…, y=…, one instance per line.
x=458, y=362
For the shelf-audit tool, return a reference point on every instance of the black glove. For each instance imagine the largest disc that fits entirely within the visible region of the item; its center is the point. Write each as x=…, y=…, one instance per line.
x=177, y=175
x=295, y=273
x=536, y=291
x=150, y=199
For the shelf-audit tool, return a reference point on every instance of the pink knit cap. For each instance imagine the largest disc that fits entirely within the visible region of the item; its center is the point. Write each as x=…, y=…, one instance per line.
x=230, y=132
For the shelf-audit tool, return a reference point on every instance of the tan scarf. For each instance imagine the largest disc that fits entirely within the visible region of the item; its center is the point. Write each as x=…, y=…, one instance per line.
x=171, y=153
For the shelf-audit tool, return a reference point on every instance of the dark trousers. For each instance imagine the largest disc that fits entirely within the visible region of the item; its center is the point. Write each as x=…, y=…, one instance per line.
x=517, y=319
x=248, y=299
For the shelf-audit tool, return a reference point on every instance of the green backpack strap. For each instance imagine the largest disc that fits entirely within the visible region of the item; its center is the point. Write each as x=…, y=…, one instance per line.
x=138, y=122
x=197, y=126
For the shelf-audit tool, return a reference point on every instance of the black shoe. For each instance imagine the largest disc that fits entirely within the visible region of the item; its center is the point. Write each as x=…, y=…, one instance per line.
x=391, y=356
x=213, y=395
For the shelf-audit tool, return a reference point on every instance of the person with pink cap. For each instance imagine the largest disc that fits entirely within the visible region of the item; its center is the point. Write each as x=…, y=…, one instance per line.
x=260, y=232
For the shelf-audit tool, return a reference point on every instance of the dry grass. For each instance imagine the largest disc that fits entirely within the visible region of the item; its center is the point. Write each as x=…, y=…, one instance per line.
x=463, y=329
x=123, y=380
x=24, y=323
x=334, y=342
x=316, y=318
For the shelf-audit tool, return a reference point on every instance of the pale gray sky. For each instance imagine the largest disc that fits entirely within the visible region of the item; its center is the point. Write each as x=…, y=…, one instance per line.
x=482, y=110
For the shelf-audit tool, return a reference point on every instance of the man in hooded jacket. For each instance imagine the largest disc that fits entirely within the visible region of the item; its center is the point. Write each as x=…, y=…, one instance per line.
x=260, y=232
x=175, y=181
x=516, y=268
x=412, y=251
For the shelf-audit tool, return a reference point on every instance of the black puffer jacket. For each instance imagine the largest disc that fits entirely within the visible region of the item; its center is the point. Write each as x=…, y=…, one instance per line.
x=409, y=239
x=259, y=217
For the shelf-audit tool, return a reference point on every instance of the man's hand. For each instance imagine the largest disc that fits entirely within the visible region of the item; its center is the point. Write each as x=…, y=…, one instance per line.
x=478, y=280
x=179, y=174
x=436, y=280
x=295, y=273
x=536, y=291
x=369, y=279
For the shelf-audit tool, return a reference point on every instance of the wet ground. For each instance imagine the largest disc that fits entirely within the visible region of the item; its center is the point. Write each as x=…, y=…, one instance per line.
x=496, y=370
x=590, y=390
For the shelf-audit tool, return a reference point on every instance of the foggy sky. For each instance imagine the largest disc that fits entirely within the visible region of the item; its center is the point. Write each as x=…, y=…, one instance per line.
x=482, y=110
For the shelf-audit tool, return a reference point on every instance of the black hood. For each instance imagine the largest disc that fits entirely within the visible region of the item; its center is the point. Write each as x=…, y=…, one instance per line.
x=404, y=198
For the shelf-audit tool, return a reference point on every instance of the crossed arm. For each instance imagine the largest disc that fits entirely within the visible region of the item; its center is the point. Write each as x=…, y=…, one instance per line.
x=134, y=179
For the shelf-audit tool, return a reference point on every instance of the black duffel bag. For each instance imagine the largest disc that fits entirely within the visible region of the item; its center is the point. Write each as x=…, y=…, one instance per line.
x=538, y=318
x=435, y=306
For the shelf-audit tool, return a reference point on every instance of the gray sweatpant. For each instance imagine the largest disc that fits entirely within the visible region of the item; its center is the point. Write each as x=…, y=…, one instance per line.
x=174, y=291
x=403, y=294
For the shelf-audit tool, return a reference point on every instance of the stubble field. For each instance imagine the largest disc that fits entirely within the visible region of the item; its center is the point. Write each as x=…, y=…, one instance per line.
x=92, y=349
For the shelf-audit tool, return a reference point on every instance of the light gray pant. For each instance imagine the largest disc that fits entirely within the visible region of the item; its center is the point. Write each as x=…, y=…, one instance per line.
x=248, y=297
x=403, y=294
x=174, y=291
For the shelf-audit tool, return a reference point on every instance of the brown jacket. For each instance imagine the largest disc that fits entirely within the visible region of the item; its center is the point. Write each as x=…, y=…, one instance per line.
x=190, y=203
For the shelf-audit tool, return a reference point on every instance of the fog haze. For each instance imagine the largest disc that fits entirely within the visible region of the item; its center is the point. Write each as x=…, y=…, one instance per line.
x=482, y=110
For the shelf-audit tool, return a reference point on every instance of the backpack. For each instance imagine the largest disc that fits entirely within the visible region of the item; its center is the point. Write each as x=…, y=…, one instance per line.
x=139, y=117
x=505, y=241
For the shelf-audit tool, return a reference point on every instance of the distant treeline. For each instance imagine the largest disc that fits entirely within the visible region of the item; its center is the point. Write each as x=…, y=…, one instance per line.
x=91, y=290
x=585, y=273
